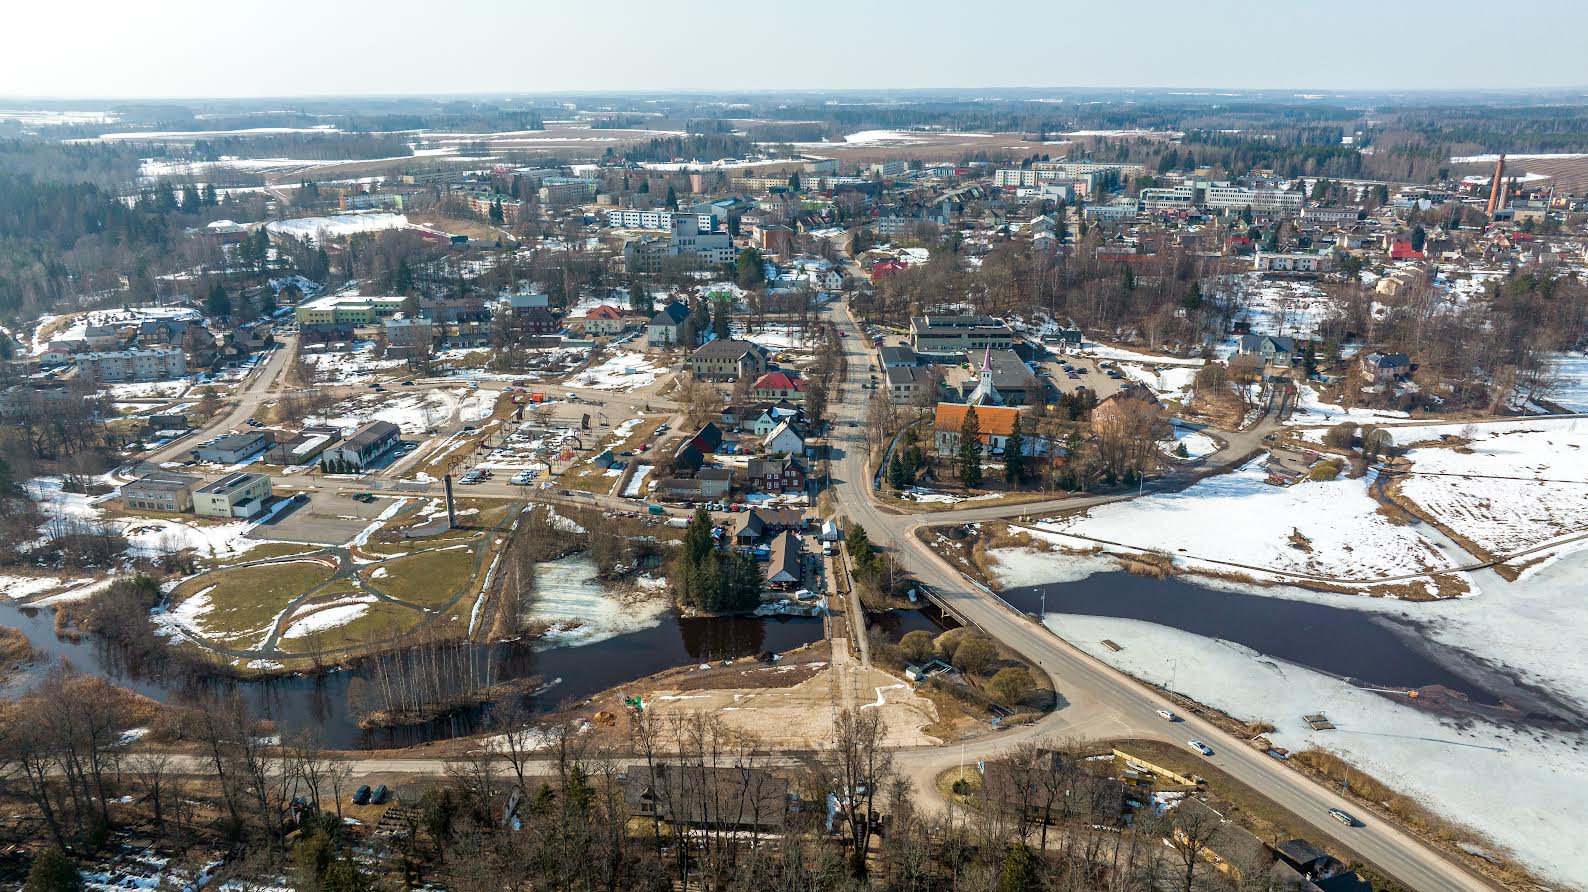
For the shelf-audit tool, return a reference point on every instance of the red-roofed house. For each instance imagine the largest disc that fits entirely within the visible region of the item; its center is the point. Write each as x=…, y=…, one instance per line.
x=1401, y=249
x=779, y=386
x=603, y=320
x=886, y=268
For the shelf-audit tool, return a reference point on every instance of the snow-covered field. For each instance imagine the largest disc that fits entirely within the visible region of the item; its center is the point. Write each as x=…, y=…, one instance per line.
x=1173, y=383
x=924, y=495
x=1120, y=354
x=1197, y=444
x=774, y=337
x=1328, y=529
x=1311, y=410
x=1528, y=483
x=624, y=371
x=1525, y=789
x=332, y=227
x=355, y=366
x=1278, y=307
x=416, y=412
x=577, y=609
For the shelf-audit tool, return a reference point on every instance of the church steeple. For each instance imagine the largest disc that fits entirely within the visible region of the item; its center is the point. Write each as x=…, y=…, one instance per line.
x=985, y=393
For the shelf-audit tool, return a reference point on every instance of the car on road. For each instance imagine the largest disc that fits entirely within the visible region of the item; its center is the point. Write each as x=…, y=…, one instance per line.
x=361, y=795
x=1344, y=817
x=1167, y=715
x=1200, y=747
x=408, y=383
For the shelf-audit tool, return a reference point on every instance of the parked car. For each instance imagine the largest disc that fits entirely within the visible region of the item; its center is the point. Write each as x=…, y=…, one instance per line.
x=1200, y=747
x=1343, y=816
x=379, y=796
x=522, y=478
x=361, y=795
x=1167, y=715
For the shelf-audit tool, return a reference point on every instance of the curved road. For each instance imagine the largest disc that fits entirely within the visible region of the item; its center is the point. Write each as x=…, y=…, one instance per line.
x=1095, y=700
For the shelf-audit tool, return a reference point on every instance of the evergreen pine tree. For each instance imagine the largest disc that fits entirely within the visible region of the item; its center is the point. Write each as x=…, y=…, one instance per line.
x=217, y=303
x=672, y=198
x=1014, y=456
x=970, y=450
x=896, y=477
x=719, y=318
x=794, y=182
x=1020, y=872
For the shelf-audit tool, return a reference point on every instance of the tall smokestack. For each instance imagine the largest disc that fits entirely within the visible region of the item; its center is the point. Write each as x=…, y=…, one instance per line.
x=1497, y=187
x=452, y=515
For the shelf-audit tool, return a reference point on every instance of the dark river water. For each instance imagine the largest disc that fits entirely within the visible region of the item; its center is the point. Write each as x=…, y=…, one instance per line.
x=567, y=673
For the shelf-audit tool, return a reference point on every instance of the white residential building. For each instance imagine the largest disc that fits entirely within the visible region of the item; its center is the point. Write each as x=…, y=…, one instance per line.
x=154, y=364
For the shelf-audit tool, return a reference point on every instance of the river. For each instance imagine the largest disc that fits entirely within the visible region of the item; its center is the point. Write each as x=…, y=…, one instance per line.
x=569, y=673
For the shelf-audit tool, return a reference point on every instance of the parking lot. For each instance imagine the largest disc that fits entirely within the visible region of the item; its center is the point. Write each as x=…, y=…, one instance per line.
x=327, y=518
x=1094, y=377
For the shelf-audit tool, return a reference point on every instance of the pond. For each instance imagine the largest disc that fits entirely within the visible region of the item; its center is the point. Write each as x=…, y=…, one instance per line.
x=1366, y=647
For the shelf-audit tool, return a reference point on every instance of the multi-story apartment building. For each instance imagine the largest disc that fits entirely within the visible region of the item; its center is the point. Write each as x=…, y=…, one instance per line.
x=154, y=364
x=482, y=202
x=660, y=218
x=570, y=190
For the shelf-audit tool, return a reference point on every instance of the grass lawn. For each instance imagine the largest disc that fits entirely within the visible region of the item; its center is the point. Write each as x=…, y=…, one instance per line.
x=245, y=600
x=267, y=550
x=380, y=620
x=946, y=779
x=491, y=512
x=430, y=579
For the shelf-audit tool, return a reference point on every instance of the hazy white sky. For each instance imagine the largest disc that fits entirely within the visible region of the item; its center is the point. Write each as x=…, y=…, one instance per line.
x=223, y=48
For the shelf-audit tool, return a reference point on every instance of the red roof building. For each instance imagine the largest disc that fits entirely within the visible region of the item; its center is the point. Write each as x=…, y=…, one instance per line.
x=1403, y=250
x=779, y=386
x=886, y=268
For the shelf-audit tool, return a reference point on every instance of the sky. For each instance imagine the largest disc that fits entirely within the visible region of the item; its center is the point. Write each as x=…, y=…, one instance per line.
x=224, y=48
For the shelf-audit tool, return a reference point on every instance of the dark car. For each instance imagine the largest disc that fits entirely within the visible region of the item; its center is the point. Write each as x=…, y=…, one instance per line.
x=361, y=795
x=379, y=796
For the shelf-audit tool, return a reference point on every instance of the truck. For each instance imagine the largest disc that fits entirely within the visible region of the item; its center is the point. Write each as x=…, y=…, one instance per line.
x=679, y=522
x=656, y=509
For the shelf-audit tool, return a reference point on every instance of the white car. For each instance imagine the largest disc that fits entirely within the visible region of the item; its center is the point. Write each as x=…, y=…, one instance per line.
x=1200, y=747
x=521, y=479
x=1167, y=715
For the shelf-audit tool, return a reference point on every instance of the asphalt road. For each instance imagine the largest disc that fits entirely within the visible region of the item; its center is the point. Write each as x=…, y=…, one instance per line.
x=1095, y=700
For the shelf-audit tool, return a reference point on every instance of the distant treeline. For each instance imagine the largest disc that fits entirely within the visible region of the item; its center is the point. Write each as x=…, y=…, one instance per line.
x=695, y=147
x=307, y=146
x=105, y=164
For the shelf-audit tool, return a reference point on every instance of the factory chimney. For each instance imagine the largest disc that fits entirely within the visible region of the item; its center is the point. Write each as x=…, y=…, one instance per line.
x=1497, y=187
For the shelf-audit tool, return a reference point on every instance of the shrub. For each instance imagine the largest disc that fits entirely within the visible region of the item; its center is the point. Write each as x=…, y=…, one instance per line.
x=1341, y=436
x=917, y=646
x=975, y=656
x=1324, y=471
x=1011, y=686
